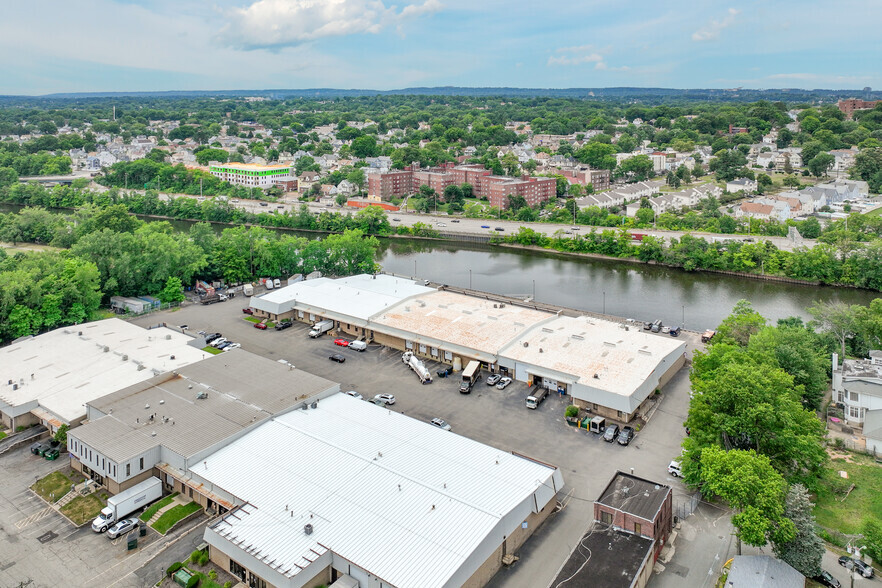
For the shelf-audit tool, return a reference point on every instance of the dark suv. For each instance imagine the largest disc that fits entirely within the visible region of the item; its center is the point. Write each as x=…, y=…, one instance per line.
x=283, y=325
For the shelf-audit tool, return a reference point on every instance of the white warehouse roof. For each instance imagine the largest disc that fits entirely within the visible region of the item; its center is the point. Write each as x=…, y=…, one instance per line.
x=62, y=370
x=405, y=501
x=357, y=297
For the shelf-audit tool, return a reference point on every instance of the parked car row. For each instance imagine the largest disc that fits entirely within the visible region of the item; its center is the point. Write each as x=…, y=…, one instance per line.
x=218, y=341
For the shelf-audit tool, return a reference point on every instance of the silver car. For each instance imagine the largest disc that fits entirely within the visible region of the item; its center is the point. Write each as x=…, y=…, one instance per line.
x=122, y=527
x=441, y=424
x=503, y=383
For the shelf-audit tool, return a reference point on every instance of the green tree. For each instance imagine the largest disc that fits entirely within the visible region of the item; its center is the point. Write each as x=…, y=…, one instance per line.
x=61, y=434
x=597, y=155
x=753, y=489
x=837, y=318
x=173, y=291
x=365, y=146
x=206, y=155
x=357, y=178
x=820, y=164
x=515, y=202
x=372, y=220
x=739, y=326
x=805, y=550
x=872, y=530
x=637, y=168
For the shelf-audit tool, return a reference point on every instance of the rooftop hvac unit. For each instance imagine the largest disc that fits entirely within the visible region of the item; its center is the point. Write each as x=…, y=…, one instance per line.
x=162, y=401
x=15, y=386
x=307, y=528
x=168, y=337
x=314, y=405
x=125, y=357
x=106, y=349
x=202, y=395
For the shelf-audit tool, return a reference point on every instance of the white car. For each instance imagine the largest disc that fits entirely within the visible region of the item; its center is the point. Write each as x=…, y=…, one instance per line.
x=674, y=469
x=441, y=424
x=122, y=527
x=232, y=346
x=503, y=383
x=218, y=341
x=355, y=395
x=385, y=398
x=442, y=224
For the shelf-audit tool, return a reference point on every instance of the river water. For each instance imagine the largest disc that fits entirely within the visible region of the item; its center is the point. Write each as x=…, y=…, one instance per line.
x=634, y=290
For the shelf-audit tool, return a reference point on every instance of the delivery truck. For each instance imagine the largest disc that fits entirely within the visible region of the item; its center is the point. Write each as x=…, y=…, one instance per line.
x=320, y=328
x=536, y=397
x=470, y=375
x=127, y=502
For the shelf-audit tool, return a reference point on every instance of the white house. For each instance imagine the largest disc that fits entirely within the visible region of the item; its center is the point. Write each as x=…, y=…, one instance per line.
x=749, y=186
x=857, y=385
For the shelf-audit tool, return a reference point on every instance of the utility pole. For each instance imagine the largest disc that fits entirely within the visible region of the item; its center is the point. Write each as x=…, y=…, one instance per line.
x=127, y=181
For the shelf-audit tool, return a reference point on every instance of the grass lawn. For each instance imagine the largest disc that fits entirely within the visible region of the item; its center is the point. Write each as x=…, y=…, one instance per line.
x=212, y=350
x=83, y=509
x=173, y=515
x=864, y=501
x=52, y=487
x=2, y=434
x=156, y=506
x=874, y=212
x=252, y=319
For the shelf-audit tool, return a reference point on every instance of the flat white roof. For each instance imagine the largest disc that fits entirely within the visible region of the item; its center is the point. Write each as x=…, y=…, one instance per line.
x=466, y=321
x=585, y=346
x=404, y=500
x=358, y=297
x=62, y=370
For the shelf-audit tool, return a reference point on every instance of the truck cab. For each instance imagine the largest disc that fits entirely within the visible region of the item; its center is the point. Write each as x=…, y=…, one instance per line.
x=104, y=520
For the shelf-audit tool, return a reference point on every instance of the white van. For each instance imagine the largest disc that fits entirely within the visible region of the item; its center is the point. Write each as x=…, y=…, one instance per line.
x=268, y=284
x=277, y=283
x=358, y=345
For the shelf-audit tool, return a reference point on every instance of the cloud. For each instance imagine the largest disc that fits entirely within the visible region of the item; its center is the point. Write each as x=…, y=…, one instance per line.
x=601, y=65
x=713, y=30
x=575, y=60
x=577, y=49
x=281, y=23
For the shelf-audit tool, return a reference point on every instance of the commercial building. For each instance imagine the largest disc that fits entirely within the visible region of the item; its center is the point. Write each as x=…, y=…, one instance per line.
x=635, y=505
x=165, y=424
x=253, y=175
x=605, y=366
x=48, y=379
x=347, y=488
x=849, y=106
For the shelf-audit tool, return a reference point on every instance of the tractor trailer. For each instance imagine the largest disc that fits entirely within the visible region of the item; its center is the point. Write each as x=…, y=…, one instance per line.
x=417, y=366
x=127, y=502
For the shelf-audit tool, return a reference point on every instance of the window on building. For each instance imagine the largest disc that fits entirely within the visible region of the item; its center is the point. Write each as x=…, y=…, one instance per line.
x=854, y=412
x=255, y=581
x=637, y=529
x=841, y=396
x=237, y=570
x=853, y=396
x=141, y=462
x=114, y=471
x=606, y=517
x=128, y=470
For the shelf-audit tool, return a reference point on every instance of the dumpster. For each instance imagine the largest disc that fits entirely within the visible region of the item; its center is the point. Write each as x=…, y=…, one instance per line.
x=133, y=542
x=142, y=530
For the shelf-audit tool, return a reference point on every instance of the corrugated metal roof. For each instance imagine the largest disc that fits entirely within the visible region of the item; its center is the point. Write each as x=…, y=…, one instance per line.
x=395, y=496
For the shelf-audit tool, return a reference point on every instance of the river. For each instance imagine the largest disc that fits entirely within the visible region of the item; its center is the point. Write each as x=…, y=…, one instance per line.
x=634, y=290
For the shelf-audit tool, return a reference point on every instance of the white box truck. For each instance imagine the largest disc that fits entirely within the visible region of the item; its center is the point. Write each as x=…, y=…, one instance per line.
x=321, y=327
x=470, y=375
x=127, y=502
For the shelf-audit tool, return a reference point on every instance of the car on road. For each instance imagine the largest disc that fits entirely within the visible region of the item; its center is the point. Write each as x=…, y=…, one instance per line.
x=441, y=424
x=825, y=579
x=337, y=357
x=575, y=228
x=503, y=383
x=122, y=527
x=355, y=395
x=625, y=435
x=456, y=220
x=674, y=469
x=485, y=226
x=235, y=200
x=385, y=398
x=232, y=346
x=247, y=311
x=51, y=454
x=284, y=325
x=442, y=224
x=396, y=219
x=498, y=229
x=674, y=332
x=493, y=379
x=341, y=342
x=261, y=326
x=863, y=568
x=264, y=204
x=610, y=434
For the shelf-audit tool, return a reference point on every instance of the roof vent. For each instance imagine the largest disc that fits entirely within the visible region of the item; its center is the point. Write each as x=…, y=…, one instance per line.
x=125, y=357
x=189, y=386
x=168, y=337
x=162, y=401
x=106, y=349
x=15, y=386
x=146, y=406
x=313, y=405
x=307, y=528
x=80, y=333
x=495, y=306
x=540, y=350
x=596, y=376
x=153, y=433
x=172, y=357
x=202, y=395
x=526, y=343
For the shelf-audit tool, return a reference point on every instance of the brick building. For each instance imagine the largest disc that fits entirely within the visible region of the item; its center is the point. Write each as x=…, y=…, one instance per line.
x=849, y=106
x=535, y=191
x=634, y=505
x=389, y=184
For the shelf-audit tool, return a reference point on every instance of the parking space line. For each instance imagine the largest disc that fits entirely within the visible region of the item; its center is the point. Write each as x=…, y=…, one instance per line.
x=26, y=522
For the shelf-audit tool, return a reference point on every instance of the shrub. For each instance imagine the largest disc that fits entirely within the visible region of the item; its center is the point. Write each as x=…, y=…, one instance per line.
x=193, y=581
x=194, y=557
x=572, y=411
x=173, y=568
x=203, y=558
x=212, y=574
x=228, y=585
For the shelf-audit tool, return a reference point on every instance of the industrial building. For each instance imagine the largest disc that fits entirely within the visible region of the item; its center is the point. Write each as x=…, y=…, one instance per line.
x=606, y=367
x=49, y=378
x=163, y=425
x=346, y=488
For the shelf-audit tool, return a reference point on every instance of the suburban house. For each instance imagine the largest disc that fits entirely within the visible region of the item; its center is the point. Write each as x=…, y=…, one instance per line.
x=857, y=385
x=747, y=185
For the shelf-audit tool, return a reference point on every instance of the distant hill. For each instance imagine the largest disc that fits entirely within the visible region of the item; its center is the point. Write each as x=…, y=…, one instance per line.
x=623, y=93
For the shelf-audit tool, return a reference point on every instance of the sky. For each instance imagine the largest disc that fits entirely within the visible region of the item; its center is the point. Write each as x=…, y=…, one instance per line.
x=153, y=45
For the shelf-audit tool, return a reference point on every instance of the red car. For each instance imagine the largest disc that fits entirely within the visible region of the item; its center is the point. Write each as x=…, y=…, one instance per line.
x=247, y=311
x=261, y=326
x=341, y=342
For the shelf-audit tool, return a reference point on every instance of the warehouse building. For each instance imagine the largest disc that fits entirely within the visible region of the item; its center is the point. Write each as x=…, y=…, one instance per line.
x=162, y=426
x=606, y=367
x=48, y=379
x=369, y=494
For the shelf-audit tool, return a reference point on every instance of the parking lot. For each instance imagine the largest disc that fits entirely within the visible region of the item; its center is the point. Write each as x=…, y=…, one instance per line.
x=498, y=418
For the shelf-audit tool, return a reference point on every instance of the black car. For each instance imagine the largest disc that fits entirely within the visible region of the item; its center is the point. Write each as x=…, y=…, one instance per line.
x=610, y=434
x=864, y=569
x=625, y=435
x=498, y=229
x=337, y=357
x=283, y=325
x=445, y=372
x=211, y=337
x=674, y=332
x=825, y=579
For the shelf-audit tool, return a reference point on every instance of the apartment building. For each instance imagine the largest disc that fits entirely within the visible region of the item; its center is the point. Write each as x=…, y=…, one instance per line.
x=250, y=174
x=849, y=106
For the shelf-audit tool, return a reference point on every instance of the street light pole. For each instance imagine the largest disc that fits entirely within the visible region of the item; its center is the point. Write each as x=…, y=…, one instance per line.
x=470, y=279
x=604, y=303
x=414, y=268
x=534, y=290
x=683, y=323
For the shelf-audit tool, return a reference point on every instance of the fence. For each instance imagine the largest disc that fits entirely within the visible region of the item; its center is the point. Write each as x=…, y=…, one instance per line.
x=684, y=508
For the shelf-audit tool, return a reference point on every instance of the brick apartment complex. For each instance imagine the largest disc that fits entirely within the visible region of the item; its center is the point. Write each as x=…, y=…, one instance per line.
x=634, y=505
x=495, y=188
x=849, y=106
x=598, y=178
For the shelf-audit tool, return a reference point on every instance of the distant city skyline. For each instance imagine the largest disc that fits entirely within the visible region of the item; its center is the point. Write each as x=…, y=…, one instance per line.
x=155, y=45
